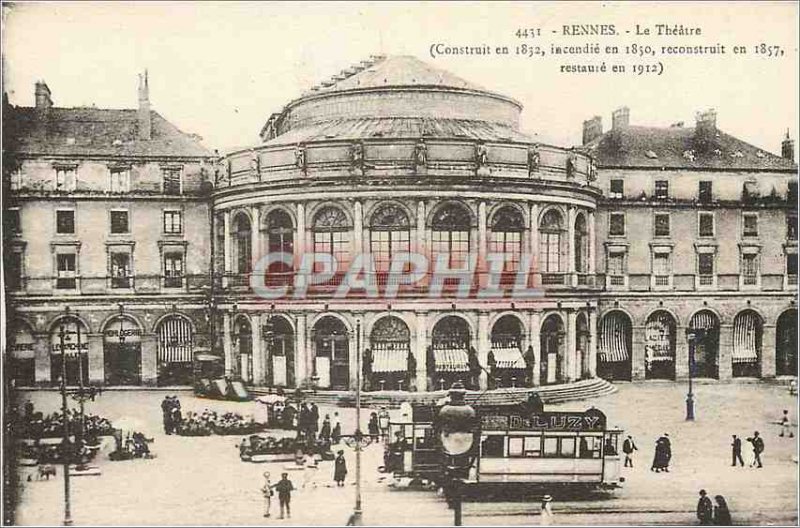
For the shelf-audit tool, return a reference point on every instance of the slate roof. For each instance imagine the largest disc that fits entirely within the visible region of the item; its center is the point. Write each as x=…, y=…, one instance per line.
x=679, y=147
x=97, y=132
x=363, y=128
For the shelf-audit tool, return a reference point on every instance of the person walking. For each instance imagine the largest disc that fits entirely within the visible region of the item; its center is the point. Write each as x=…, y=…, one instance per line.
x=336, y=433
x=373, y=427
x=785, y=425
x=546, y=513
x=339, y=469
x=705, y=510
x=313, y=420
x=267, y=493
x=722, y=516
x=736, y=451
x=325, y=432
x=660, y=458
x=175, y=414
x=628, y=447
x=758, y=448
x=284, y=487
x=166, y=414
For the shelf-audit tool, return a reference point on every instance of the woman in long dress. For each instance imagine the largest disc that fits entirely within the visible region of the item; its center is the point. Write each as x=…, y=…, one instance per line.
x=339, y=468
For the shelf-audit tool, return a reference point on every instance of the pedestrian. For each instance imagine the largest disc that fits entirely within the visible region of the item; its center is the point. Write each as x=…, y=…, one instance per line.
x=705, y=510
x=667, y=452
x=336, y=433
x=166, y=414
x=785, y=426
x=546, y=513
x=628, y=447
x=176, y=416
x=660, y=456
x=383, y=423
x=314, y=420
x=339, y=469
x=736, y=451
x=758, y=448
x=284, y=487
x=302, y=420
x=267, y=493
x=373, y=427
x=722, y=516
x=325, y=432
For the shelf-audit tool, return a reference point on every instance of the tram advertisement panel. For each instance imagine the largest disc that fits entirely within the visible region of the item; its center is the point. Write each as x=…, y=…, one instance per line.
x=545, y=421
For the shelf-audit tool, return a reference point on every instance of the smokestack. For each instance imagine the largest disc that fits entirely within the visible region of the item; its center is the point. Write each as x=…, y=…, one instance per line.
x=592, y=129
x=787, y=147
x=145, y=120
x=42, y=94
x=620, y=118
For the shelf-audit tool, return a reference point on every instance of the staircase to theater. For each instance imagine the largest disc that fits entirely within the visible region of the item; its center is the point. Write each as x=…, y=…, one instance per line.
x=567, y=392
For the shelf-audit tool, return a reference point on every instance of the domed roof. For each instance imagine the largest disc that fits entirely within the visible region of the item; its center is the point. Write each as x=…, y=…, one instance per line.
x=400, y=70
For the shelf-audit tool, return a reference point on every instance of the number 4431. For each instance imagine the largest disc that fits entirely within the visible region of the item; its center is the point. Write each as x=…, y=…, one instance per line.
x=528, y=33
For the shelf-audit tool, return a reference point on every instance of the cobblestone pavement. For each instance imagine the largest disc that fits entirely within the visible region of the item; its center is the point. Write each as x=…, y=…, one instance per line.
x=201, y=481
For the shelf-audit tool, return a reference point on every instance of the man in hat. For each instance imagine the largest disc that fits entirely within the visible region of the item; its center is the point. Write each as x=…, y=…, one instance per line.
x=339, y=469
x=628, y=447
x=546, y=514
x=284, y=487
x=705, y=510
x=267, y=492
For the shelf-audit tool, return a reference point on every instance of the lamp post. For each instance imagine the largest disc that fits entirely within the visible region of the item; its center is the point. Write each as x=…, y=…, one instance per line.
x=457, y=436
x=357, y=441
x=65, y=449
x=692, y=335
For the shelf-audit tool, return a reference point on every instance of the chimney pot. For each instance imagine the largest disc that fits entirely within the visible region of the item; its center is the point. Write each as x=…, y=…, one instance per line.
x=42, y=95
x=592, y=129
x=787, y=147
x=145, y=119
x=620, y=118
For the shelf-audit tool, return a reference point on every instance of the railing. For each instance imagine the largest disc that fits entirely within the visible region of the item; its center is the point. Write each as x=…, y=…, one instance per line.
x=749, y=280
x=706, y=280
x=616, y=280
x=661, y=280
x=553, y=279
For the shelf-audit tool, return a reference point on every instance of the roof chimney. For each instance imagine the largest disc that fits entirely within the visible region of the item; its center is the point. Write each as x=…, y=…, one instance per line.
x=706, y=121
x=145, y=120
x=592, y=129
x=787, y=147
x=42, y=93
x=620, y=118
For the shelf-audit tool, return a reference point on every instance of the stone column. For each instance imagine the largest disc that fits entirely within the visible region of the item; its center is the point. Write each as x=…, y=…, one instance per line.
x=41, y=355
x=301, y=351
x=255, y=239
x=681, y=353
x=592, y=242
x=226, y=246
x=149, y=359
x=638, y=343
x=592, y=363
x=421, y=350
x=570, y=359
x=227, y=343
x=358, y=228
x=258, y=356
x=768, y=351
x=96, y=360
x=571, y=213
x=483, y=242
x=484, y=344
x=300, y=234
x=422, y=249
x=534, y=232
x=536, y=343
x=725, y=361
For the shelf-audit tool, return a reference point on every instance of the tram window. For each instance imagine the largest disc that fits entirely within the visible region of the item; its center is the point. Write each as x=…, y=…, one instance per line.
x=533, y=446
x=589, y=447
x=492, y=446
x=568, y=447
x=550, y=446
x=515, y=446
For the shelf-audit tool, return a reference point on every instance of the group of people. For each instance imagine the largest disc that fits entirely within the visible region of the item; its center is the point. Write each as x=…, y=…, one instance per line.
x=757, y=444
x=133, y=446
x=37, y=425
x=171, y=414
x=713, y=514
x=210, y=422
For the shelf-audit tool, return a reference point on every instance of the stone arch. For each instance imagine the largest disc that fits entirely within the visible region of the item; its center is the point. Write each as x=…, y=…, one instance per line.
x=460, y=204
x=660, y=344
x=552, y=336
x=344, y=207
x=706, y=343
x=277, y=208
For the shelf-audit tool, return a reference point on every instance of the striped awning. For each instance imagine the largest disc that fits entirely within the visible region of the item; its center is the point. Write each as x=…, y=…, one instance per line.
x=613, y=343
x=745, y=339
x=703, y=321
x=451, y=360
x=659, y=344
x=175, y=341
x=390, y=359
x=508, y=357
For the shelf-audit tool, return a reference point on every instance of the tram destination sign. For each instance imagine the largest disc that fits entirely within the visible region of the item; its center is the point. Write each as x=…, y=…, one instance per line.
x=545, y=421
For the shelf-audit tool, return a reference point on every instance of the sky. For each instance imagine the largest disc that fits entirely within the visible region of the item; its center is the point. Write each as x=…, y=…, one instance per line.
x=220, y=69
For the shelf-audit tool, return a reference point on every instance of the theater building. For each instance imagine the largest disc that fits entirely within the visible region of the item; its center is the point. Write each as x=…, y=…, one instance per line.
x=697, y=244
x=106, y=236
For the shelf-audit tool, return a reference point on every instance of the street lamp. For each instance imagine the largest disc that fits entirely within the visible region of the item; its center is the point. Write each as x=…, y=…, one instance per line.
x=693, y=335
x=65, y=450
x=457, y=436
x=357, y=441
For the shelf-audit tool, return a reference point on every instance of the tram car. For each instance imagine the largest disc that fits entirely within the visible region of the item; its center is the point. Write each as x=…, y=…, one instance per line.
x=510, y=445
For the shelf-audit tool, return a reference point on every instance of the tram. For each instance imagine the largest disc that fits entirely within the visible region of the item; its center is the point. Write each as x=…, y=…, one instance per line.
x=510, y=445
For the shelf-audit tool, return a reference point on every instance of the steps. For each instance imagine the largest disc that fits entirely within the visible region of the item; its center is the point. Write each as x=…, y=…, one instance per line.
x=568, y=392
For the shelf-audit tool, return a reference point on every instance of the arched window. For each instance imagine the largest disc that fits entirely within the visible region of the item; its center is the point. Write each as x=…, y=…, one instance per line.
x=507, y=227
x=450, y=234
x=242, y=234
x=390, y=340
x=747, y=336
x=786, y=344
x=550, y=229
x=581, y=245
x=390, y=235
x=332, y=234
x=280, y=347
x=280, y=232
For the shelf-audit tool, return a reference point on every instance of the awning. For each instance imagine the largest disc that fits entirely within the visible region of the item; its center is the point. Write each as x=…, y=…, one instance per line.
x=745, y=334
x=508, y=357
x=613, y=345
x=390, y=360
x=451, y=360
x=703, y=321
x=175, y=341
